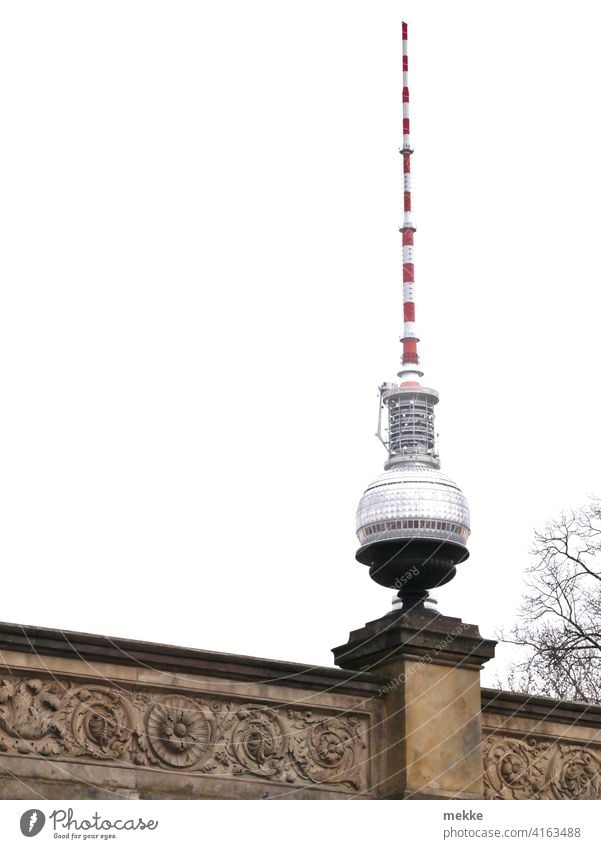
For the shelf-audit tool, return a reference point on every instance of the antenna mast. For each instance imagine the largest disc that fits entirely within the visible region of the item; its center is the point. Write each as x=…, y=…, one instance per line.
x=410, y=372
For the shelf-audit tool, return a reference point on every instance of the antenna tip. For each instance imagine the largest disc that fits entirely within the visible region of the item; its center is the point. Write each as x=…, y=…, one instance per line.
x=404, y=27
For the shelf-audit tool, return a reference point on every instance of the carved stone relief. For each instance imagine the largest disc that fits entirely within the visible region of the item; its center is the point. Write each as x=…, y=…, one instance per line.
x=204, y=734
x=179, y=732
x=536, y=768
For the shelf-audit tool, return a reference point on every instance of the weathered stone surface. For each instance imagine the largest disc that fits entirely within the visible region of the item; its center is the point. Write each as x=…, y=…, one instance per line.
x=94, y=652
x=59, y=718
x=84, y=717
x=540, y=748
x=532, y=767
x=431, y=664
x=296, y=732
x=27, y=777
x=421, y=635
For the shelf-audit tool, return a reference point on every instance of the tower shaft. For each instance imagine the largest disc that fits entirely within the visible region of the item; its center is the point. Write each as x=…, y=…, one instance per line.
x=412, y=521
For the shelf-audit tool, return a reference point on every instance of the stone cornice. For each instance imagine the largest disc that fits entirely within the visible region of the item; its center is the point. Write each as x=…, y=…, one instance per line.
x=116, y=650
x=539, y=708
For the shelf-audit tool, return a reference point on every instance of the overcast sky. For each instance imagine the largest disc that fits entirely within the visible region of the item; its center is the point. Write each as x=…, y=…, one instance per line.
x=200, y=293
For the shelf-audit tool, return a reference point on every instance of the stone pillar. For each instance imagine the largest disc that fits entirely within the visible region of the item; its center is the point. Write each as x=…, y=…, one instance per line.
x=430, y=740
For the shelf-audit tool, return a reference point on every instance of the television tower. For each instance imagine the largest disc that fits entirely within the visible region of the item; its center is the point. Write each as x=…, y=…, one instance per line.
x=412, y=521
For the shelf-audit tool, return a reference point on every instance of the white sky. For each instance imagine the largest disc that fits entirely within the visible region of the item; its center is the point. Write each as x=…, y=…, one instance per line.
x=200, y=293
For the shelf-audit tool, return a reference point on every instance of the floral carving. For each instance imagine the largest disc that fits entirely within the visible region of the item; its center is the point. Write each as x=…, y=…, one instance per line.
x=329, y=750
x=332, y=743
x=258, y=742
x=199, y=733
x=533, y=768
x=101, y=722
x=30, y=717
x=178, y=731
x=578, y=776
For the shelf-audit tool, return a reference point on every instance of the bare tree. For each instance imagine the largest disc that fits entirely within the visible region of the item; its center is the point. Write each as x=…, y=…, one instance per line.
x=560, y=616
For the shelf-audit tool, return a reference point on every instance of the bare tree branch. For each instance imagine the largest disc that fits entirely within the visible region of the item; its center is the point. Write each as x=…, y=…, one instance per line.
x=560, y=614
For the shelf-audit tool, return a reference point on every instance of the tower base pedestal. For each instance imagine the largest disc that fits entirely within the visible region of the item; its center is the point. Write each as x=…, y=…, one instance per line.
x=430, y=739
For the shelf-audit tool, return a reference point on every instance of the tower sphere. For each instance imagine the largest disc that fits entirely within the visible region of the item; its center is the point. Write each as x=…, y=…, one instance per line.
x=413, y=501
x=412, y=523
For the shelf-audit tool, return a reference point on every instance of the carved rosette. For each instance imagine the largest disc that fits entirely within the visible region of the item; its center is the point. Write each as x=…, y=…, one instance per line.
x=101, y=722
x=534, y=768
x=258, y=742
x=179, y=731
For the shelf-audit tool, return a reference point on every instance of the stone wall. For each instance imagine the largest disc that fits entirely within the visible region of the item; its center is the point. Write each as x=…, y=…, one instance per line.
x=538, y=748
x=84, y=716
x=89, y=717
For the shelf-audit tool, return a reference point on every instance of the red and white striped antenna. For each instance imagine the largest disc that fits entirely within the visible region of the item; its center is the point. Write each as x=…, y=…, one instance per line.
x=410, y=372
x=410, y=435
